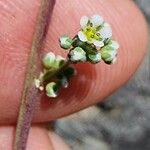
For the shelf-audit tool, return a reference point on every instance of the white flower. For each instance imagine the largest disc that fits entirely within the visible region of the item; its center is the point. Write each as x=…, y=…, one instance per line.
x=94, y=30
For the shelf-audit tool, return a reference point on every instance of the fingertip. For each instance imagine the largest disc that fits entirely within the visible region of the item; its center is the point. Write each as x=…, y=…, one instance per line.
x=92, y=83
x=38, y=138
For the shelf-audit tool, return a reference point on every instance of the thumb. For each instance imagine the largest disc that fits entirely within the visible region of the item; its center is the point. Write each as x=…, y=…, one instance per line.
x=93, y=82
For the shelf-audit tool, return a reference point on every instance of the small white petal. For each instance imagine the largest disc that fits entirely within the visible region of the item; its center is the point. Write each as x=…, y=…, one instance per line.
x=98, y=44
x=59, y=58
x=84, y=21
x=106, y=24
x=82, y=36
x=113, y=53
x=37, y=83
x=114, y=60
x=114, y=45
x=97, y=20
x=50, y=55
x=41, y=88
x=106, y=32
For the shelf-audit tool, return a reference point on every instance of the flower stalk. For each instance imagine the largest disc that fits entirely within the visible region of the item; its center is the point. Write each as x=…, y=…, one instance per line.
x=30, y=94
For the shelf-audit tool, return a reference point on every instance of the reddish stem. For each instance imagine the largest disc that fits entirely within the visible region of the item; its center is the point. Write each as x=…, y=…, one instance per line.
x=30, y=95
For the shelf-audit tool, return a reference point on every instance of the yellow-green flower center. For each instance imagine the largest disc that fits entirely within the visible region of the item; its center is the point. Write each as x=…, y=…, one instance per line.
x=91, y=33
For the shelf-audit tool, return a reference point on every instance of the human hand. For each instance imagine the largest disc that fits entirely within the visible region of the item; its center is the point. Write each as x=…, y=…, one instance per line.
x=92, y=83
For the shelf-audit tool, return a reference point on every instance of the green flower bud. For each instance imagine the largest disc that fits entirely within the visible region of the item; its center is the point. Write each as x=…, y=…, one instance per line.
x=77, y=55
x=94, y=58
x=109, y=56
x=51, y=61
x=65, y=42
x=48, y=60
x=52, y=89
x=59, y=61
x=114, y=45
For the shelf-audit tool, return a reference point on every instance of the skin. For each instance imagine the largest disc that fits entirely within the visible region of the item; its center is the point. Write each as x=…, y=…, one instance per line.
x=92, y=83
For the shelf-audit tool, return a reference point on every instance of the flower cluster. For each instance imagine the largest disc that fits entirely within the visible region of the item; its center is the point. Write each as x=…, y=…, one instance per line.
x=92, y=43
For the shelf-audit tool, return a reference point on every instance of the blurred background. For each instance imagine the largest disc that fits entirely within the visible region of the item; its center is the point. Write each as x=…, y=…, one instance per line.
x=122, y=122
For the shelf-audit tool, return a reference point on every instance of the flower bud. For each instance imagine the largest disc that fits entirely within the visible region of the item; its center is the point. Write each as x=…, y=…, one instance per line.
x=94, y=58
x=52, y=89
x=48, y=60
x=59, y=61
x=77, y=55
x=65, y=42
x=114, y=45
x=109, y=56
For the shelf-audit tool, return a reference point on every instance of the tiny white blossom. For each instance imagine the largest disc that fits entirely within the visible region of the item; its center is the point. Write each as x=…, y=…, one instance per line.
x=94, y=30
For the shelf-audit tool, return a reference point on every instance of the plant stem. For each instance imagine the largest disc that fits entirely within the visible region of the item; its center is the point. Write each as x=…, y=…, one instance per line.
x=30, y=94
x=50, y=75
